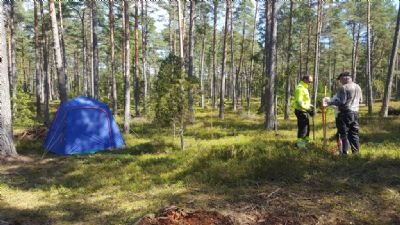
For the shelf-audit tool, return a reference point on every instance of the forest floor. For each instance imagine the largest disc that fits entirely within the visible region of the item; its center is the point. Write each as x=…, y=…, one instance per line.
x=231, y=166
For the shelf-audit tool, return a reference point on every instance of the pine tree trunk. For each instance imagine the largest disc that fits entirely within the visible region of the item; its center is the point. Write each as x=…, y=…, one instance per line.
x=317, y=53
x=173, y=33
x=57, y=51
x=23, y=67
x=397, y=80
x=222, y=87
x=203, y=44
x=270, y=121
x=37, y=62
x=356, y=37
x=7, y=147
x=113, y=80
x=392, y=63
x=300, y=73
x=136, y=71
x=144, y=53
x=62, y=42
x=252, y=60
x=239, y=69
x=77, y=84
x=95, y=51
x=369, y=76
x=233, y=74
x=46, y=80
x=288, y=64
x=191, y=50
x=181, y=31
x=171, y=30
x=309, y=34
x=126, y=68
x=13, y=58
x=52, y=75
x=330, y=76
x=214, y=58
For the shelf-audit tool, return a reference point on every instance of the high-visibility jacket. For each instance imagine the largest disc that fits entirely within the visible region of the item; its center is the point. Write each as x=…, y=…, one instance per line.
x=302, y=97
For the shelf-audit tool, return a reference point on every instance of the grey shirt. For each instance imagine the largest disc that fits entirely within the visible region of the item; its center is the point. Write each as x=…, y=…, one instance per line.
x=349, y=97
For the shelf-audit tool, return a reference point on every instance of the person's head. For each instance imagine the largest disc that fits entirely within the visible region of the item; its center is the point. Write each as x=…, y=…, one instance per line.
x=307, y=79
x=344, y=77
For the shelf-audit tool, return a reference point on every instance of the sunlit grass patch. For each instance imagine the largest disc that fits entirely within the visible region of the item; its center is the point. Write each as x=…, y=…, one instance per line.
x=225, y=163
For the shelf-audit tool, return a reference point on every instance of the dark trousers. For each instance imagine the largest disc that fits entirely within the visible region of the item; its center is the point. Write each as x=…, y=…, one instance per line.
x=348, y=126
x=303, y=124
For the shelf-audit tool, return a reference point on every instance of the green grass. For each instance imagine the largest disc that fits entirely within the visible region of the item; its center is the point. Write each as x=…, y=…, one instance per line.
x=231, y=165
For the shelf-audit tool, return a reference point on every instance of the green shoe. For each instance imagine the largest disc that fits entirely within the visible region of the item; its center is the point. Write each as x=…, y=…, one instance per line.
x=300, y=143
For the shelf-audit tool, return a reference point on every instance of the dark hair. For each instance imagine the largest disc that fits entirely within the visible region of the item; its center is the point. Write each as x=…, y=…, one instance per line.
x=305, y=77
x=344, y=74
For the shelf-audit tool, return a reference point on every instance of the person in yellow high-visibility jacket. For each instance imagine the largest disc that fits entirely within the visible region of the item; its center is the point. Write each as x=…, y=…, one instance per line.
x=303, y=110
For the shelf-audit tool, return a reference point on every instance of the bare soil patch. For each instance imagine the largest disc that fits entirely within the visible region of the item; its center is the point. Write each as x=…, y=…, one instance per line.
x=177, y=216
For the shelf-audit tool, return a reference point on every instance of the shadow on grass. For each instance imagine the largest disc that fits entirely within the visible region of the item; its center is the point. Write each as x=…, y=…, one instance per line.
x=155, y=147
x=278, y=162
x=265, y=162
x=68, y=211
x=139, y=167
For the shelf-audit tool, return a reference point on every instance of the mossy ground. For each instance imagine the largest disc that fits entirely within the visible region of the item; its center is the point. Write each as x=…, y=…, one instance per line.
x=231, y=165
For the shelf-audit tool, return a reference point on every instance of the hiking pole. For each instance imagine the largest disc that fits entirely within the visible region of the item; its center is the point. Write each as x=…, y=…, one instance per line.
x=313, y=127
x=324, y=120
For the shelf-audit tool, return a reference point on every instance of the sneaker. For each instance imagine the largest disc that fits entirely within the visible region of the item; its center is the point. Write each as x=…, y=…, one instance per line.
x=300, y=145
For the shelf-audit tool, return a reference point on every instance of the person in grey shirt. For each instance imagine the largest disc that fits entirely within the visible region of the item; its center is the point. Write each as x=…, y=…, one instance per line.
x=349, y=97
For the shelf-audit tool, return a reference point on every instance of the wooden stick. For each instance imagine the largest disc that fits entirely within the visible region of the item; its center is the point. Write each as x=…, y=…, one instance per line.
x=324, y=121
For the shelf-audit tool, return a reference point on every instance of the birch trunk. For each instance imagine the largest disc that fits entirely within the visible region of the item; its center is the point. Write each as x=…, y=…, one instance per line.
x=62, y=89
x=392, y=63
x=7, y=147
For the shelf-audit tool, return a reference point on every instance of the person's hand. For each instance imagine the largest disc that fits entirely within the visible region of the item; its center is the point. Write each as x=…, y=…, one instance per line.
x=311, y=111
x=325, y=101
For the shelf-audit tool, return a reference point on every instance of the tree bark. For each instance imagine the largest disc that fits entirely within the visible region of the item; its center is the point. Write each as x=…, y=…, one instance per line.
x=239, y=69
x=356, y=37
x=137, y=87
x=191, y=50
x=7, y=147
x=252, y=60
x=13, y=58
x=369, y=76
x=37, y=62
x=144, y=53
x=113, y=79
x=62, y=89
x=95, y=52
x=45, y=68
x=300, y=72
x=181, y=31
x=317, y=53
x=126, y=68
x=214, y=59
x=308, y=47
x=62, y=42
x=271, y=30
x=222, y=88
x=392, y=63
x=203, y=44
x=77, y=83
x=288, y=62
x=233, y=74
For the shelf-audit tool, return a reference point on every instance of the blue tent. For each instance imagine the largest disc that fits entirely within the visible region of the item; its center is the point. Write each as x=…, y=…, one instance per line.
x=83, y=125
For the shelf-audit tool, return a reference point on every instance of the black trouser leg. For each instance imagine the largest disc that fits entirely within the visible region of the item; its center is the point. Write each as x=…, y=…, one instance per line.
x=343, y=130
x=348, y=129
x=353, y=136
x=303, y=124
